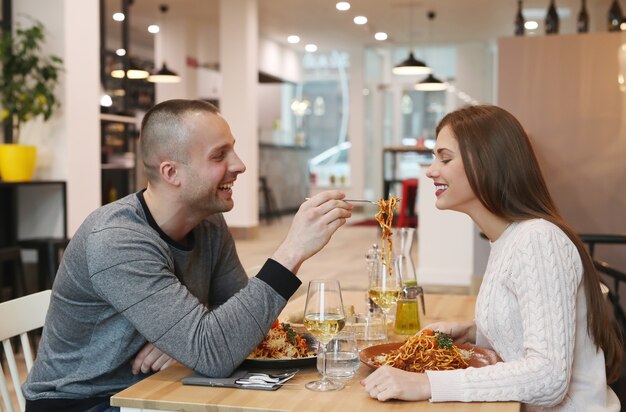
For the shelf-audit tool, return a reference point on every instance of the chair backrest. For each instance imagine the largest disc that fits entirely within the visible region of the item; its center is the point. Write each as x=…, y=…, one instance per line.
x=18, y=317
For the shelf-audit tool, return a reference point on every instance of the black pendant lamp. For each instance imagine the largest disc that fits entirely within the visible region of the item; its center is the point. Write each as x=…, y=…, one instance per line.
x=411, y=66
x=164, y=75
x=431, y=84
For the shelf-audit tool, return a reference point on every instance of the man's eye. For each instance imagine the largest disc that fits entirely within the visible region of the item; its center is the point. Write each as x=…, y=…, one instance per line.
x=219, y=156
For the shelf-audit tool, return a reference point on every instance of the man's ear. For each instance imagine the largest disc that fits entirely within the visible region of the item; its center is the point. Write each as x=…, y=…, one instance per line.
x=169, y=173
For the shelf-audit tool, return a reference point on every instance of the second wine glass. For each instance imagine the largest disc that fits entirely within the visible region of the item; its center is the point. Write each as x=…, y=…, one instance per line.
x=324, y=317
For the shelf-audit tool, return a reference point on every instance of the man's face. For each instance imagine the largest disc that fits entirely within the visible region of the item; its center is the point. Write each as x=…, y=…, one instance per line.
x=212, y=167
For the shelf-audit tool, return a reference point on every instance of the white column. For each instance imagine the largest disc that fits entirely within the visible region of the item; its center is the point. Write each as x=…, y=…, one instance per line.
x=69, y=144
x=238, y=104
x=356, y=124
x=446, y=241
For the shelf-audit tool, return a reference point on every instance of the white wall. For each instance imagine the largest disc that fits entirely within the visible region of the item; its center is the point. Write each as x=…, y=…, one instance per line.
x=69, y=144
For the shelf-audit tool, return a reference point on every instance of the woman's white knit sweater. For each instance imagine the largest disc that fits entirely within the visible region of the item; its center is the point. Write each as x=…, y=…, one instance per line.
x=531, y=310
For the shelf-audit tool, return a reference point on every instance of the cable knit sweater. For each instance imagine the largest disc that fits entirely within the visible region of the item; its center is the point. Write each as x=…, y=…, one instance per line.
x=531, y=310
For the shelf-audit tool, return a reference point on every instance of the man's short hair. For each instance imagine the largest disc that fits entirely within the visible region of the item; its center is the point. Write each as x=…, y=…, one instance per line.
x=164, y=132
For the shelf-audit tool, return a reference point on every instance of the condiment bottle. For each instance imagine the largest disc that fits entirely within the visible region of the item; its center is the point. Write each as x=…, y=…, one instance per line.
x=407, y=313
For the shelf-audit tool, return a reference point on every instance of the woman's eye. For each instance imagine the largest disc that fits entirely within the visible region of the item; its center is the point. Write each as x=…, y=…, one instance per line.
x=445, y=161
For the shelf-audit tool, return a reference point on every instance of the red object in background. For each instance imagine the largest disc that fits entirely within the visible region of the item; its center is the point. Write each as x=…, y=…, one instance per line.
x=407, y=216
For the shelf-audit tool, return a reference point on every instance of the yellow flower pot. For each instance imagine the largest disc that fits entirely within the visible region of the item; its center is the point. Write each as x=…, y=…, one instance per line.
x=17, y=162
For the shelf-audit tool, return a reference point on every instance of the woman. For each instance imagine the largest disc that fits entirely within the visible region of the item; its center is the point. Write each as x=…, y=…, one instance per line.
x=540, y=306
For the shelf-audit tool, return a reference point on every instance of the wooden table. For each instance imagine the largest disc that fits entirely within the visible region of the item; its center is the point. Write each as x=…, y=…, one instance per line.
x=164, y=391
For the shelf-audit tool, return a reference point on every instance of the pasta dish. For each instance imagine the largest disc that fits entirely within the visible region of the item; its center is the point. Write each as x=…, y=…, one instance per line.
x=427, y=351
x=384, y=217
x=281, y=342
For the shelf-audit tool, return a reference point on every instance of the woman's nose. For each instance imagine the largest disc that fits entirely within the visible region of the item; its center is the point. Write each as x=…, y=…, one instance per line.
x=430, y=172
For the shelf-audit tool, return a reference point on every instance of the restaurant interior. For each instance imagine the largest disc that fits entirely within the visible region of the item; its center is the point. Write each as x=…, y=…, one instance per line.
x=311, y=92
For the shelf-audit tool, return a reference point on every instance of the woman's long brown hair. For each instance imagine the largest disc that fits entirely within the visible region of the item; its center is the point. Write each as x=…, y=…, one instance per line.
x=503, y=172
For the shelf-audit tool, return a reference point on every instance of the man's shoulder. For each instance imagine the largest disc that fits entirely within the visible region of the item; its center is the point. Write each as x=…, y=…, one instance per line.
x=124, y=214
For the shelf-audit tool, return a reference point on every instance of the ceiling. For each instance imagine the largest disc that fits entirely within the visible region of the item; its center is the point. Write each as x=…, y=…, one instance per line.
x=405, y=21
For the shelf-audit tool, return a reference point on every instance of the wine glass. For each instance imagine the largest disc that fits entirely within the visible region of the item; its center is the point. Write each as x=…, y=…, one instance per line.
x=385, y=284
x=324, y=317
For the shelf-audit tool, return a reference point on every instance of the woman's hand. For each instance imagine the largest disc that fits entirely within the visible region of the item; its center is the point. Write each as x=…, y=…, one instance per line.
x=387, y=383
x=461, y=332
x=150, y=358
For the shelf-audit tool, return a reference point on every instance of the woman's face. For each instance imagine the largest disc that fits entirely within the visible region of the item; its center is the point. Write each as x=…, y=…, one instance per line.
x=452, y=188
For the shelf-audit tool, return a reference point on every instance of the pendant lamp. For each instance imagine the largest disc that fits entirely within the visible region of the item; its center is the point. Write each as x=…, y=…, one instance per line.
x=411, y=66
x=128, y=68
x=164, y=75
x=430, y=83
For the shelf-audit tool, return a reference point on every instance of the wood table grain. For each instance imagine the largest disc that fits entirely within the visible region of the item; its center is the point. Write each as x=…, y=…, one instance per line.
x=164, y=391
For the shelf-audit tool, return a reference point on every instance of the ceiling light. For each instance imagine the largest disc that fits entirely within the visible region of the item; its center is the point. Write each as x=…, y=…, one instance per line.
x=118, y=16
x=153, y=28
x=163, y=75
x=293, y=39
x=411, y=66
x=360, y=20
x=531, y=25
x=106, y=101
x=120, y=52
x=343, y=6
x=430, y=84
x=118, y=73
x=311, y=48
x=381, y=35
x=137, y=73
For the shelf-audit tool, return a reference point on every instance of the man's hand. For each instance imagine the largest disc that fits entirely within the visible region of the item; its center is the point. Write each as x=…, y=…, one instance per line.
x=150, y=358
x=461, y=332
x=312, y=227
x=390, y=383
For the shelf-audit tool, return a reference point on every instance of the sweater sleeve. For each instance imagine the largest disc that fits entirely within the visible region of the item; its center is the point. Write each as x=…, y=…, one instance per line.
x=135, y=277
x=545, y=272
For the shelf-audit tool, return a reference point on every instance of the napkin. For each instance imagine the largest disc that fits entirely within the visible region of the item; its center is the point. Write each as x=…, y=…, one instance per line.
x=230, y=382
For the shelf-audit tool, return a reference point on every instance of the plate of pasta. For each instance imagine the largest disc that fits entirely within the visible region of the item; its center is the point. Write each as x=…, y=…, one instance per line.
x=430, y=350
x=283, y=347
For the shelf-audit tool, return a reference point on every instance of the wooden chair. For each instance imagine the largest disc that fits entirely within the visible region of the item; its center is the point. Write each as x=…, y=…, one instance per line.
x=18, y=317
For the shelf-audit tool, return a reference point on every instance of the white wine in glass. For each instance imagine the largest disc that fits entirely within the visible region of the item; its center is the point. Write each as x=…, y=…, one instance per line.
x=324, y=317
x=385, y=286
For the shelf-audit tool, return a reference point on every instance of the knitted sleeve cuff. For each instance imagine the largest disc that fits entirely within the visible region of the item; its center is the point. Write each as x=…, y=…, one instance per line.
x=279, y=278
x=445, y=386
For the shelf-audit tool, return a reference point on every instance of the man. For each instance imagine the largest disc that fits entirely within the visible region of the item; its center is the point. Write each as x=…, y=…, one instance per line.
x=160, y=266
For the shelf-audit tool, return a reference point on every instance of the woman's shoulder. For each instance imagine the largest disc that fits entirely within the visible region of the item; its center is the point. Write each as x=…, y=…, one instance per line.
x=544, y=232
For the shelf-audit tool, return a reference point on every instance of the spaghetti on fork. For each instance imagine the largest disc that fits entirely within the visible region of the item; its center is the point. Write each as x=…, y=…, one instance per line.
x=384, y=217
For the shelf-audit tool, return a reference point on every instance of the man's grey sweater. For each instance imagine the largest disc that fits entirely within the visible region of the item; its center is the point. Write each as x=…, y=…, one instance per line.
x=123, y=282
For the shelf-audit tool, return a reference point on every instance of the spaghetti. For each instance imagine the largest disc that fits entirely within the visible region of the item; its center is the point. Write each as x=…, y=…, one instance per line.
x=427, y=351
x=281, y=342
x=384, y=217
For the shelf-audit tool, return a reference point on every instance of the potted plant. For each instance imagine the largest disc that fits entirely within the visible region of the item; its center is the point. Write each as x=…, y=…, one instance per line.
x=28, y=79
